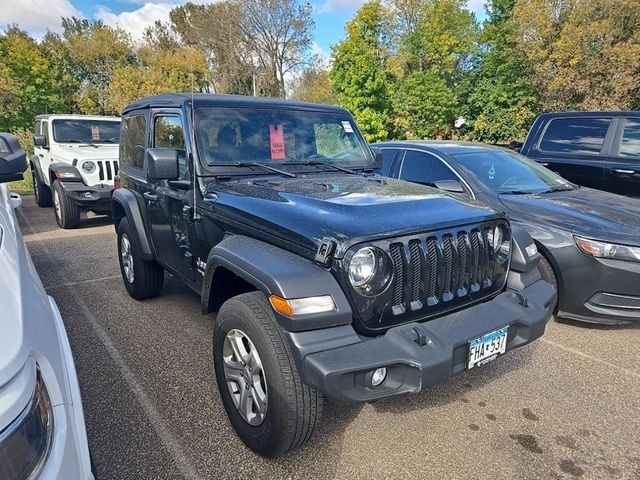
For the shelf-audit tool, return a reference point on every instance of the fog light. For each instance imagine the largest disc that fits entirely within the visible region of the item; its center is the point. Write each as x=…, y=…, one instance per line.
x=88, y=195
x=378, y=376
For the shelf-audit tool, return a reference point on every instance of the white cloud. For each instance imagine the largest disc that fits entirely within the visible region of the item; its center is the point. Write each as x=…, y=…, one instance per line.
x=136, y=21
x=477, y=6
x=37, y=16
x=321, y=55
x=336, y=5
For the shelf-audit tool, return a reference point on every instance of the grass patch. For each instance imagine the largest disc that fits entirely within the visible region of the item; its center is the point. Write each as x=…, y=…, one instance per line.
x=24, y=186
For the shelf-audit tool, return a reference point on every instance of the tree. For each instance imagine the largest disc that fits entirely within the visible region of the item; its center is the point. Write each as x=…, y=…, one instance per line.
x=499, y=94
x=360, y=73
x=93, y=51
x=585, y=54
x=314, y=85
x=29, y=83
x=279, y=34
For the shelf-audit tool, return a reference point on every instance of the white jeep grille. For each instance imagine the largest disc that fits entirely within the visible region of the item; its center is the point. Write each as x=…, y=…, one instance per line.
x=107, y=169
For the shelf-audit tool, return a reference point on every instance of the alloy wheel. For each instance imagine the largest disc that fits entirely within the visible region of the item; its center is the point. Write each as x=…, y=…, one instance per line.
x=127, y=257
x=245, y=377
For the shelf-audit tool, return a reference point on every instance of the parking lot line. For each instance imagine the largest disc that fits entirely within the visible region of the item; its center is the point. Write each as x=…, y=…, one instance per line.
x=82, y=282
x=171, y=444
x=586, y=356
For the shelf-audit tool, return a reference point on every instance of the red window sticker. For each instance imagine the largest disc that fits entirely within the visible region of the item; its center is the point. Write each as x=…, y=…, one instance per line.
x=276, y=136
x=95, y=133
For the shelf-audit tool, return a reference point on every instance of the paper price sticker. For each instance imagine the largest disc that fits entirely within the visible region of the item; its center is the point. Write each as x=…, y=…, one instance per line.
x=95, y=133
x=276, y=138
x=347, y=127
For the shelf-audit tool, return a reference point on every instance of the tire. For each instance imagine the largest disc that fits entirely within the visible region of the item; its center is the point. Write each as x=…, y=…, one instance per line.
x=293, y=409
x=41, y=192
x=65, y=210
x=548, y=275
x=142, y=278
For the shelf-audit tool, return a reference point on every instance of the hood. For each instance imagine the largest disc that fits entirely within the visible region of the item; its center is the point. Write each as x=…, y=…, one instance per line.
x=70, y=153
x=583, y=211
x=348, y=209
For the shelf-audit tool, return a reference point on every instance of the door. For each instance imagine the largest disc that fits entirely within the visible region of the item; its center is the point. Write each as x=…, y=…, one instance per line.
x=574, y=148
x=623, y=165
x=168, y=202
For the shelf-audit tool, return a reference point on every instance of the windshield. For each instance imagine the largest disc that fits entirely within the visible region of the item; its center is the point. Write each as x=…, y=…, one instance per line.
x=277, y=137
x=86, y=131
x=510, y=172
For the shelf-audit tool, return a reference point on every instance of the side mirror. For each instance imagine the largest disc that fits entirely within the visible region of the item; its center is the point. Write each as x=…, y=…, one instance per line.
x=377, y=158
x=453, y=186
x=40, y=141
x=13, y=160
x=162, y=163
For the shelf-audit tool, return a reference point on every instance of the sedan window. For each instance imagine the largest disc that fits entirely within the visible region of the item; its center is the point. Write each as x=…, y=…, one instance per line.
x=423, y=168
x=510, y=172
x=630, y=146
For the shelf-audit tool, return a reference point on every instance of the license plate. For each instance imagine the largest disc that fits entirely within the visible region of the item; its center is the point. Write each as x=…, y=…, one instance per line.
x=488, y=347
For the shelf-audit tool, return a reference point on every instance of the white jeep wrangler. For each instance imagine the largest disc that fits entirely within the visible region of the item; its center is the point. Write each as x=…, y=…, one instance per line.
x=74, y=164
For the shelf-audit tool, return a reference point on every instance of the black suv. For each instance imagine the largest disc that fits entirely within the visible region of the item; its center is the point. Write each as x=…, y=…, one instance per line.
x=326, y=278
x=595, y=149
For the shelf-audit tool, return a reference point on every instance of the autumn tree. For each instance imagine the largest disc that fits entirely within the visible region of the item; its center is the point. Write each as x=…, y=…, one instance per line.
x=314, y=85
x=29, y=83
x=360, y=73
x=585, y=54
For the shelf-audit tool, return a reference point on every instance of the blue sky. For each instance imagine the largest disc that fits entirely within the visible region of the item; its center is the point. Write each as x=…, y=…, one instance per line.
x=36, y=16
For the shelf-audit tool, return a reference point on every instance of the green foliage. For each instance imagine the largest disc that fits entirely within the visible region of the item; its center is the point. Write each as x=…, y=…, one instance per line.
x=360, y=74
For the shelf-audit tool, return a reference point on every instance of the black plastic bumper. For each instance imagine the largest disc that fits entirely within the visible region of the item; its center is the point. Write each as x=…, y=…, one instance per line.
x=95, y=197
x=338, y=362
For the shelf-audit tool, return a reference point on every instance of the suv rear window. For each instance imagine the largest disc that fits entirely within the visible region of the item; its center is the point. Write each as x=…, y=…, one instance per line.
x=575, y=135
x=132, y=140
x=630, y=146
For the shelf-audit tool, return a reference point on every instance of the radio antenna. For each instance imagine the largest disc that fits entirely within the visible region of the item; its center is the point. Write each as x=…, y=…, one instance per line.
x=196, y=185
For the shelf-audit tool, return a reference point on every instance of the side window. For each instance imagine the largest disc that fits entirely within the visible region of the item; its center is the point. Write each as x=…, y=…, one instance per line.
x=423, y=168
x=630, y=145
x=388, y=155
x=45, y=131
x=132, y=140
x=168, y=133
x=575, y=135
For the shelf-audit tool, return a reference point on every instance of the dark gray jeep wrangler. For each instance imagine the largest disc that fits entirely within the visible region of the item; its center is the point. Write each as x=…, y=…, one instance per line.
x=327, y=279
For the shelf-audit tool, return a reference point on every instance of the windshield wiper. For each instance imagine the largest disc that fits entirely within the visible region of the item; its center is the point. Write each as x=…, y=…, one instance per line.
x=253, y=164
x=517, y=192
x=311, y=163
x=559, y=189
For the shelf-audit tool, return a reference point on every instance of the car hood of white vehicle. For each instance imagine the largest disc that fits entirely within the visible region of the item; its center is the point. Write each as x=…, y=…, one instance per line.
x=16, y=270
x=71, y=153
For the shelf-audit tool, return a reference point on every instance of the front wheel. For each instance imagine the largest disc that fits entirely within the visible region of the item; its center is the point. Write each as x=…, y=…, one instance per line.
x=41, y=192
x=66, y=211
x=269, y=407
x=548, y=275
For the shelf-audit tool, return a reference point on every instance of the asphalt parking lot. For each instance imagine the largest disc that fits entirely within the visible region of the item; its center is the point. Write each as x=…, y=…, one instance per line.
x=567, y=406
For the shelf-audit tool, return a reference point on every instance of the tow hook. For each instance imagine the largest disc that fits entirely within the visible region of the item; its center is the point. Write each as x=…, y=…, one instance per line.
x=421, y=338
x=521, y=299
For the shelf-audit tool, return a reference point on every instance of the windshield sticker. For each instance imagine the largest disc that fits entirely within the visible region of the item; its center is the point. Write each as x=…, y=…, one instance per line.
x=347, y=126
x=95, y=133
x=276, y=135
x=492, y=172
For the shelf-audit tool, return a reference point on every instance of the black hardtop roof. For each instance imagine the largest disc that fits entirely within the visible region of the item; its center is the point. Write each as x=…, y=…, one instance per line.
x=442, y=146
x=177, y=100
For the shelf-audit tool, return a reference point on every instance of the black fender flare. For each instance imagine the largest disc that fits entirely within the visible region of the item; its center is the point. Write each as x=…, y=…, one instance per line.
x=275, y=271
x=64, y=172
x=125, y=203
x=36, y=168
x=523, y=269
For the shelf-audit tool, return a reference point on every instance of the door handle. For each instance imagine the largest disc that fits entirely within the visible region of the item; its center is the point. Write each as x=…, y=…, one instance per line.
x=622, y=171
x=150, y=196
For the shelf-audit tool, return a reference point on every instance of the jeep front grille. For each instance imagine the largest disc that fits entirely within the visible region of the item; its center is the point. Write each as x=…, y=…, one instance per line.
x=107, y=169
x=435, y=273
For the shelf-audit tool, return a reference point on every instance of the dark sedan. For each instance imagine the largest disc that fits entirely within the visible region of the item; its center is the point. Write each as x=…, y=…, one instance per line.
x=589, y=238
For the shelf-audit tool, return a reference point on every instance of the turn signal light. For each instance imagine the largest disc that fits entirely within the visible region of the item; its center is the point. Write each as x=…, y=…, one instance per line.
x=302, y=306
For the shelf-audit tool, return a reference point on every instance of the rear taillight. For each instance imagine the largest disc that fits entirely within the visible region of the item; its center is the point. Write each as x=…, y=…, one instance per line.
x=116, y=182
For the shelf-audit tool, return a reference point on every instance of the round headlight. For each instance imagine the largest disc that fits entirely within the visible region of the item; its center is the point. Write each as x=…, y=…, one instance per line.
x=362, y=267
x=369, y=271
x=88, y=167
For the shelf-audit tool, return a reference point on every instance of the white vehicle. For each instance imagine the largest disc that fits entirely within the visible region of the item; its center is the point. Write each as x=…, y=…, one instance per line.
x=74, y=164
x=42, y=429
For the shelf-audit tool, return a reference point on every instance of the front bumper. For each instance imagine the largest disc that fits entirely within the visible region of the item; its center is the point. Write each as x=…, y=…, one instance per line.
x=94, y=197
x=341, y=371
x=598, y=290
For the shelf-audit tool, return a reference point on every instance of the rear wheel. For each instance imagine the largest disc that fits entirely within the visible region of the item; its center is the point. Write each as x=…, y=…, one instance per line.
x=269, y=407
x=547, y=274
x=41, y=192
x=66, y=211
x=142, y=278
